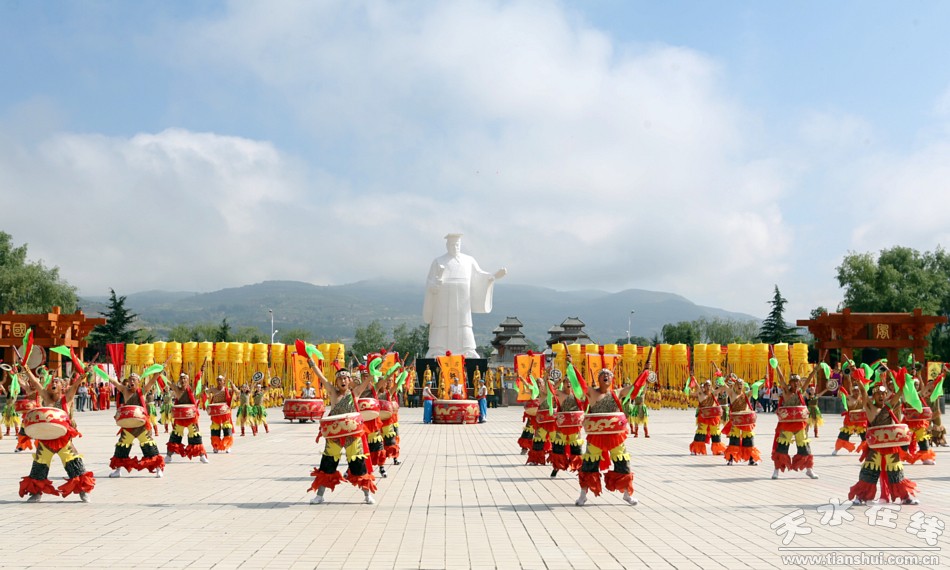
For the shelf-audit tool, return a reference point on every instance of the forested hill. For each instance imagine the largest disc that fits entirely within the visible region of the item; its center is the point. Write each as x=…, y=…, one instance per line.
x=332, y=312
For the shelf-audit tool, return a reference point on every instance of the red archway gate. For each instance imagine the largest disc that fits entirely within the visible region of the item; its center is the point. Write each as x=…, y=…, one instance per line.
x=49, y=330
x=847, y=331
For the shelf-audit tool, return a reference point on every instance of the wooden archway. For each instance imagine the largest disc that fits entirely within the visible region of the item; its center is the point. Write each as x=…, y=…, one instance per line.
x=49, y=330
x=889, y=331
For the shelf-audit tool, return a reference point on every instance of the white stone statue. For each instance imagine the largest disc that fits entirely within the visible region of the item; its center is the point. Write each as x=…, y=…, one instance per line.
x=455, y=288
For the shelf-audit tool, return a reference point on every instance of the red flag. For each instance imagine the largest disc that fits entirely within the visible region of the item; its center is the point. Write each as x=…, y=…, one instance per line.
x=76, y=362
x=117, y=356
x=301, y=348
x=639, y=383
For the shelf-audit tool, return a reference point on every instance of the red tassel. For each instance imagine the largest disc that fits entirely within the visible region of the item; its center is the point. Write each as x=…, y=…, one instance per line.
x=733, y=453
x=622, y=482
x=365, y=482
x=781, y=460
x=697, y=447
x=800, y=462
x=560, y=461
x=81, y=484
x=576, y=462
x=195, y=451
x=152, y=463
x=176, y=449
x=127, y=463
x=328, y=480
x=844, y=444
x=903, y=490
x=30, y=486
x=392, y=451
x=524, y=443
x=536, y=457
x=717, y=448
x=590, y=482
x=863, y=491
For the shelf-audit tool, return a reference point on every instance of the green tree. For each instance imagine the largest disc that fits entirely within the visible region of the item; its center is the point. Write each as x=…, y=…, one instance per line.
x=817, y=312
x=118, y=325
x=369, y=339
x=637, y=340
x=411, y=343
x=682, y=332
x=250, y=334
x=30, y=287
x=290, y=335
x=774, y=328
x=900, y=280
x=223, y=333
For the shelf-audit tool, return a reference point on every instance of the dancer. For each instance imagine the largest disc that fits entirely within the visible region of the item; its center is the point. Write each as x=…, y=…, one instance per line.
x=60, y=396
x=919, y=424
x=132, y=397
x=243, y=414
x=219, y=407
x=544, y=424
x=359, y=473
x=566, y=453
x=602, y=448
x=883, y=462
x=258, y=412
x=855, y=416
x=639, y=415
x=741, y=424
x=390, y=443
x=186, y=405
x=934, y=390
x=792, y=426
x=708, y=419
x=814, y=412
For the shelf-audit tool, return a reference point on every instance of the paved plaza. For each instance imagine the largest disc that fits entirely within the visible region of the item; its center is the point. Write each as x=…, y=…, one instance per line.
x=463, y=498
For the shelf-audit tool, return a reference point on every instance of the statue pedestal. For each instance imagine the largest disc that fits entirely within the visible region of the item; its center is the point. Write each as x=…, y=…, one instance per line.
x=454, y=411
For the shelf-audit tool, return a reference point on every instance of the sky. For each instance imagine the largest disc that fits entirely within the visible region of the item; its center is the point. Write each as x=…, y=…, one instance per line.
x=710, y=149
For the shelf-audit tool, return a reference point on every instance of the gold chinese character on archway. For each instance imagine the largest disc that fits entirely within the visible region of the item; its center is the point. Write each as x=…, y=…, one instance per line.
x=882, y=332
x=18, y=330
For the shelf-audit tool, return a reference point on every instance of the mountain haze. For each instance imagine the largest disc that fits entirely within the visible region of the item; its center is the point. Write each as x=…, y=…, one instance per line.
x=333, y=312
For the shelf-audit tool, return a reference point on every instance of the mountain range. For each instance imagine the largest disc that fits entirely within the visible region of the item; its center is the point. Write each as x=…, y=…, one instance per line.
x=335, y=311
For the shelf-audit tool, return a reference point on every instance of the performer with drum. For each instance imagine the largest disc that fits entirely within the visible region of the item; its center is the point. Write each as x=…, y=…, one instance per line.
x=938, y=433
x=855, y=417
x=708, y=419
x=884, y=438
x=792, y=426
x=185, y=415
x=343, y=430
x=546, y=424
x=741, y=424
x=388, y=410
x=919, y=424
x=53, y=427
x=566, y=439
x=639, y=415
x=219, y=407
x=133, y=421
x=243, y=413
x=606, y=427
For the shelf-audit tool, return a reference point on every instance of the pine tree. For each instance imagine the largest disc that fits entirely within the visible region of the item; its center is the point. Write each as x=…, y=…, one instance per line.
x=223, y=334
x=118, y=327
x=774, y=329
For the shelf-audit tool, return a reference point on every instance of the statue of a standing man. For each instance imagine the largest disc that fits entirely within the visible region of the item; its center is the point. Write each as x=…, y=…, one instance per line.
x=455, y=288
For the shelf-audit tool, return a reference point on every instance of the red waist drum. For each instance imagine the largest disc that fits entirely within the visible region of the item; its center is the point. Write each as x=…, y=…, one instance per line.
x=46, y=423
x=606, y=424
x=184, y=411
x=341, y=426
x=130, y=417
x=894, y=435
x=792, y=414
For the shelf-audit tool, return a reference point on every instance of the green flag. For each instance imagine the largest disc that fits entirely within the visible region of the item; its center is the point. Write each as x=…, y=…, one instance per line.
x=938, y=392
x=756, y=386
x=63, y=350
x=533, y=384
x=575, y=383
x=910, y=393
x=153, y=369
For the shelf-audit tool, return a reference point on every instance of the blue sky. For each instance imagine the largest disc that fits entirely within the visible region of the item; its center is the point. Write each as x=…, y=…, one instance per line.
x=707, y=149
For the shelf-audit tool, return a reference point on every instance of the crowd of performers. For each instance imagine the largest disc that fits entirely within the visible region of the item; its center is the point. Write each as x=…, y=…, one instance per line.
x=49, y=405
x=895, y=425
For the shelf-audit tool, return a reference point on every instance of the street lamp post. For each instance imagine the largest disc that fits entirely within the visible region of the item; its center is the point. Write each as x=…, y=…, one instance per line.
x=629, y=322
x=272, y=331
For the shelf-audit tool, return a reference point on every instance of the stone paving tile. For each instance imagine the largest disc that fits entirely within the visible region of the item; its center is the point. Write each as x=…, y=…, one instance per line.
x=463, y=498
